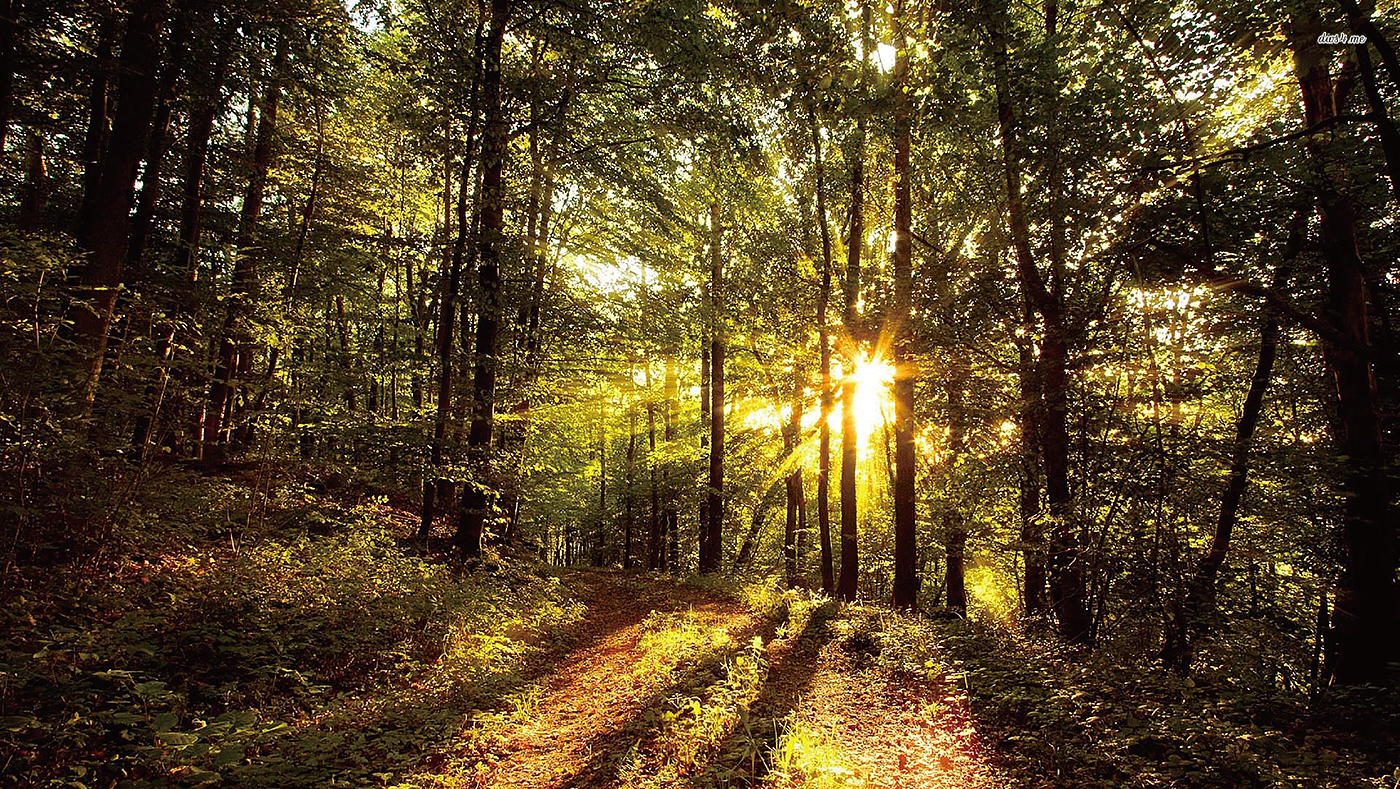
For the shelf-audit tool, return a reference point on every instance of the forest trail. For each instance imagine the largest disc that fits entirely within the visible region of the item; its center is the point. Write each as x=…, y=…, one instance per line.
x=596, y=721
x=605, y=682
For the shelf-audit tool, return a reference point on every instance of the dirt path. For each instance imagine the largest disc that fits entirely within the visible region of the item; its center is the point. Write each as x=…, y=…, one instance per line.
x=887, y=733
x=604, y=684
x=895, y=733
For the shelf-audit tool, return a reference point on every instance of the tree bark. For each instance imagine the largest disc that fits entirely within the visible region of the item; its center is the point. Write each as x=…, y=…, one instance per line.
x=906, y=582
x=824, y=340
x=670, y=517
x=207, y=102
x=1177, y=651
x=9, y=14
x=1363, y=636
x=712, y=541
x=35, y=202
x=655, y=517
x=492, y=223
x=438, y=487
x=1067, y=592
x=704, y=514
x=850, y=554
x=159, y=143
x=98, y=126
x=236, y=342
x=629, y=495
x=796, y=502
x=107, y=231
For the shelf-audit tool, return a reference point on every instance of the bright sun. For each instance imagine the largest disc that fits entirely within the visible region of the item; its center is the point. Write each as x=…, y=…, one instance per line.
x=873, y=406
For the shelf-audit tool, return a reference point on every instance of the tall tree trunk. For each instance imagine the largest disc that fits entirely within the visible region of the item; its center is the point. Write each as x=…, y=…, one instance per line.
x=107, y=232
x=9, y=22
x=1028, y=500
x=712, y=541
x=438, y=487
x=1177, y=650
x=36, y=182
x=537, y=217
x=629, y=498
x=850, y=561
x=1380, y=118
x=704, y=514
x=492, y=223
x=236, y=342
x=98, y=126
x=954, y=524
x=824, y=340
x=846, y=584
x=796, y=503
x=655, y=519
x=207, y=102
x=1363, y=637
x=159, y=143
x=906, y=582
x=599, y=541
x=670, y=517
x=1067, y=592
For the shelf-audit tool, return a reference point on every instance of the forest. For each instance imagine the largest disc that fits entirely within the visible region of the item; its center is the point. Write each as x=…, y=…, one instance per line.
x=699, y=393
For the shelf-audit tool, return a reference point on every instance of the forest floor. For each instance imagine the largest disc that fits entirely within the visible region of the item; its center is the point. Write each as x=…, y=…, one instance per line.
x=595, y=722
x=257, y=629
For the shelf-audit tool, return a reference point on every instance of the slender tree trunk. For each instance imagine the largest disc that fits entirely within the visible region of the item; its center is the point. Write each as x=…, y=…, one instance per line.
x=207, y=104
x=236, y=342
x=1032, y=529
x=159, y=144
x=824, y=340
x=654, y=522
x=599, y=537
x=749, y=545
x=437, y=487
x=846, y=584
x=670, y=517
x=906, y=582
x=712, y=541
x=705, y=424
x=9, y=22
x=1067, y=592
x=850, y=562
x=492, y=224
x=1177, y=651
x=796, y=502
x=631, y=481
x=955, y=549
x=112, y=191
x=36, y=182
x=99, y=119
x=1363, y=636
x=1380, y=118
x=954, y=524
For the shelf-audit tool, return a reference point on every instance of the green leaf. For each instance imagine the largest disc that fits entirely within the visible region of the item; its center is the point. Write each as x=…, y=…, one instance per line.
x=227, y=756
x=165, y=721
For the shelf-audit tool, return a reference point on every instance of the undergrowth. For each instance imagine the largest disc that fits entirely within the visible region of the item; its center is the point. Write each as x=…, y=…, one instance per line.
x=256, y=638
x=1056, y=717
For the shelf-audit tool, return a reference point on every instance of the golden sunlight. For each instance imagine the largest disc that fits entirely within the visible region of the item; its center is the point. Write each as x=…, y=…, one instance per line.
x=873, y=405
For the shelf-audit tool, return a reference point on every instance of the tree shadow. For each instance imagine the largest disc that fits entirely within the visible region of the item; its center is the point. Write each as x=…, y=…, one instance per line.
x=793, y=663
x=744, y=757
